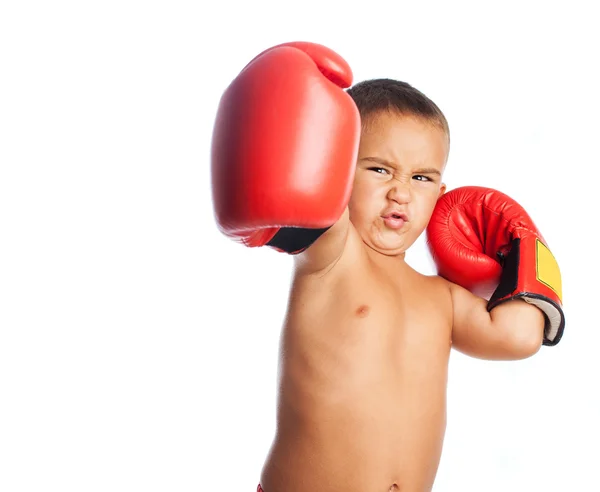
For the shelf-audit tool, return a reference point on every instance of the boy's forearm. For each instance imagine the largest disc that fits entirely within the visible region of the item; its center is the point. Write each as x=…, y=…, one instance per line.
x=521, y=325
x=512, y=330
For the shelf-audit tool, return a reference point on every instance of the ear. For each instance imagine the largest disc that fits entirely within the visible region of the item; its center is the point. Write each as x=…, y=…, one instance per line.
x=442, y=190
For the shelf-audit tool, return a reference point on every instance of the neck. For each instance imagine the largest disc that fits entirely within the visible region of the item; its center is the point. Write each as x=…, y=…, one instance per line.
x=388, y=259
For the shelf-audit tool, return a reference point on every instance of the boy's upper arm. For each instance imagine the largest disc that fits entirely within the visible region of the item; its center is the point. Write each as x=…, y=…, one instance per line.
x=327, y=249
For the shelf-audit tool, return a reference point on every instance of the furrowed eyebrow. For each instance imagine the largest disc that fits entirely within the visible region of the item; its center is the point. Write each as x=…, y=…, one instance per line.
x=378, y=160
x=428, y=170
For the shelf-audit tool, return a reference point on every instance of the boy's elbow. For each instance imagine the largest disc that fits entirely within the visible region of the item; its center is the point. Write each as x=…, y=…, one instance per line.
x=525, y=341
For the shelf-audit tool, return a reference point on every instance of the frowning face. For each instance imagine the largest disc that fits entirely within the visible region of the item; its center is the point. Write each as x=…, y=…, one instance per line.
x=398, y=180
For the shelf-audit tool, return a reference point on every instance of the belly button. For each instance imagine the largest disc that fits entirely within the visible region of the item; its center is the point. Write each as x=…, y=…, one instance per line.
x=362, y=311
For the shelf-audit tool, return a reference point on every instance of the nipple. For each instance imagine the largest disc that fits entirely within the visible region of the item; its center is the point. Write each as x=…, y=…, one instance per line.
x=362, y=311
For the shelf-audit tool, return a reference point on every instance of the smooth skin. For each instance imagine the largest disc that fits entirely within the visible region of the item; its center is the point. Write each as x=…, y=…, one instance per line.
x=366, y=340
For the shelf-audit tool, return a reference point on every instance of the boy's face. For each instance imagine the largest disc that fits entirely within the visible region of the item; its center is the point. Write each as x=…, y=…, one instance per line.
x=398, y=180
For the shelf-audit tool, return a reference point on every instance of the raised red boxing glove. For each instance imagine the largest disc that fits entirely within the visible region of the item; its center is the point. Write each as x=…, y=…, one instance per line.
x=483, y=240
x=284, y=147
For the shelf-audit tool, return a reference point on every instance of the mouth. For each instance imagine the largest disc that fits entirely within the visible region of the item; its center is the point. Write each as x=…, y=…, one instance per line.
x=395, y=220
x=395, y=215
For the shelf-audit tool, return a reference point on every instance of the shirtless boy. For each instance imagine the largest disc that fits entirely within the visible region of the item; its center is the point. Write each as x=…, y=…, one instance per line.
x=345, y=181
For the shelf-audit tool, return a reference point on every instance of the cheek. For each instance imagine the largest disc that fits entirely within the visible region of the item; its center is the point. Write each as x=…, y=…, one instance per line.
x=364, y=201
x=359, y=191
x=426, y=203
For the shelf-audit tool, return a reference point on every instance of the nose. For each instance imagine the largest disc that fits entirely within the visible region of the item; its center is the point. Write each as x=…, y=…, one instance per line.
x=400, y=192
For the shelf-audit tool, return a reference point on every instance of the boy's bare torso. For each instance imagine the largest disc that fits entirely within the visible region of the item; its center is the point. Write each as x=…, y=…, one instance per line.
x=363, y=372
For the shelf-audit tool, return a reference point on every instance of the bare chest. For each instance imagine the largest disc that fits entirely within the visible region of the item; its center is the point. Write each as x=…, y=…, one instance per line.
x=364, y=328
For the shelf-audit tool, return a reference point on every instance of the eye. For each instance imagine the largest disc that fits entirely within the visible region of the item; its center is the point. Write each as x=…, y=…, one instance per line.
x=420, y=177
x=378, y=170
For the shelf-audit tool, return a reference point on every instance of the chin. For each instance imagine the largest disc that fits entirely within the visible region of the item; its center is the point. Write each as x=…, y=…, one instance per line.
x=386, y=242
x=388, y=248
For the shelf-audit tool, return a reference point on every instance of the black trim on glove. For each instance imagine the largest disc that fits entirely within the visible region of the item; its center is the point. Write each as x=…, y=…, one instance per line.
x=294, y=240
x=510, y=272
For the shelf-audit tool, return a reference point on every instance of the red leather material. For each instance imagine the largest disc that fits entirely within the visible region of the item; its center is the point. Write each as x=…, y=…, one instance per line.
x=285, y=144
x=468, y=227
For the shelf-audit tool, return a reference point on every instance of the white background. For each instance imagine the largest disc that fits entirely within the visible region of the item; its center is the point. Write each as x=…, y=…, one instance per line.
x=138, y=346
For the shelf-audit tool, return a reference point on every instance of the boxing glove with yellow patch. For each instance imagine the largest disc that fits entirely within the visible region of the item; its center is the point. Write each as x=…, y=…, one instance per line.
x=485, y=241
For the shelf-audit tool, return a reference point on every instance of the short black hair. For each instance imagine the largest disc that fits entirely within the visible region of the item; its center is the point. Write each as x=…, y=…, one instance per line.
x=377, y=95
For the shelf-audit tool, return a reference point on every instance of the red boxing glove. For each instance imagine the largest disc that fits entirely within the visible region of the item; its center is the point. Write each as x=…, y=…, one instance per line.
x=484, y=241
x=284, y=148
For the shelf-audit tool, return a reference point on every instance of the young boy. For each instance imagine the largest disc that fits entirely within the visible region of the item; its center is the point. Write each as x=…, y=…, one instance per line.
x=345, y=182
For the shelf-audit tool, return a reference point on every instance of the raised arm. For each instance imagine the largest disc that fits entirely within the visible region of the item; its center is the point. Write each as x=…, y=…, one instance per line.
x=505, y=283
x=284, y=149
x=511, y=331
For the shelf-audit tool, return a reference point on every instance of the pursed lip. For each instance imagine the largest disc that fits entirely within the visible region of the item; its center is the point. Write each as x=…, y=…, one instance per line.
x=395, y=214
